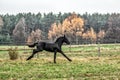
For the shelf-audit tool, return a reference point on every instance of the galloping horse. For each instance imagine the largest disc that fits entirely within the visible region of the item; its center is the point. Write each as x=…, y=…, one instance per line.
x=51, y=47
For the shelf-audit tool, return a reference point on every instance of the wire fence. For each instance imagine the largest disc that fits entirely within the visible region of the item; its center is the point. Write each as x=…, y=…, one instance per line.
x=75, y=47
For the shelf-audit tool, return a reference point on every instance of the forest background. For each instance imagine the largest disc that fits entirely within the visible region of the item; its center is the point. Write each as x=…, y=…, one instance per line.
x=25, y=28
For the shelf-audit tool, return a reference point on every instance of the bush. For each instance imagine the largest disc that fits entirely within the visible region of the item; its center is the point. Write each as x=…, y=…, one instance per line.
x=13, y=54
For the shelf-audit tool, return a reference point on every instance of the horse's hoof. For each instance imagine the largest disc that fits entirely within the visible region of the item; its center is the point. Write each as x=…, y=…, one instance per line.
x=70, y=60
x=54, y=62
x=27, y=59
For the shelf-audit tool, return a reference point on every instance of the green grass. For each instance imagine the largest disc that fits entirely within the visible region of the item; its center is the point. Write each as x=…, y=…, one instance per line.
x=38, y=69
x=86, y=64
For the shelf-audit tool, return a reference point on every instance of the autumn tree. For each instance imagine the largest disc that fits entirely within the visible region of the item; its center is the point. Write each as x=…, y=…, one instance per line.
x=90, y=34
x=19, y=33
x=55, y=31
x=34, y=36
x=72, y=26
x=101, y=34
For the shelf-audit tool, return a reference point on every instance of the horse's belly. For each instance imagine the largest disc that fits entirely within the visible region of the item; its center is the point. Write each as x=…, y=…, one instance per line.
x=51, y=47
x=50, y=50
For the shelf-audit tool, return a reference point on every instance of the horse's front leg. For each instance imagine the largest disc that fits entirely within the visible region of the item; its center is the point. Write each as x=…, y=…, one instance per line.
x=55, y=52
x=65, y=56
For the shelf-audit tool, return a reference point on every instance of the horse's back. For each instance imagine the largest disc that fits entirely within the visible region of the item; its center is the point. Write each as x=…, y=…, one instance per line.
x=40, y=45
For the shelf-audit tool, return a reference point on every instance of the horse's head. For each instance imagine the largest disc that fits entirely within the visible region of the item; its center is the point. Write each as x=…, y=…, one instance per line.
x=62, y=40
x=66, y=40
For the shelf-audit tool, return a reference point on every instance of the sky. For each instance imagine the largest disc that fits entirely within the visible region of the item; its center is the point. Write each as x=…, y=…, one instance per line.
x=56, y=6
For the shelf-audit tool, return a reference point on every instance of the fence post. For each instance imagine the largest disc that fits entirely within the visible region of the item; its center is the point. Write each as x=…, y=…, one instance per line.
x=70, y=48
x=99, y=48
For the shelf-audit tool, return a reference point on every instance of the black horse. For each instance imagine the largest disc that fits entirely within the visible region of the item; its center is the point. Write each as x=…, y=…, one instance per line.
x=51, y=47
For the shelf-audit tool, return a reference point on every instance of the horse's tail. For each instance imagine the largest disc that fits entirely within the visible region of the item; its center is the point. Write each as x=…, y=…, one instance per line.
x=33, y=45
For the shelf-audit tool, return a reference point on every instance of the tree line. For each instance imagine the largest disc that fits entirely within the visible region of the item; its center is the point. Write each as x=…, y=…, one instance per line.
x=30, y=27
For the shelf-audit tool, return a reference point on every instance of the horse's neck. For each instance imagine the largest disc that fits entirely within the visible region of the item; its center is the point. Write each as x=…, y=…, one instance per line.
x=59, y=42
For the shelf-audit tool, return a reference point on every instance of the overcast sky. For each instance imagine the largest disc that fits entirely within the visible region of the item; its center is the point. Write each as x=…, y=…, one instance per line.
x=55, y=6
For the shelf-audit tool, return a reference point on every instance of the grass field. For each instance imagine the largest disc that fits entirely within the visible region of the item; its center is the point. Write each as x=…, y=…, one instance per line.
x=85, y=65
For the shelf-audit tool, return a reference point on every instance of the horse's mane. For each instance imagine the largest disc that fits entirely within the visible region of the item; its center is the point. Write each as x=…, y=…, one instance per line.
x=59, y=38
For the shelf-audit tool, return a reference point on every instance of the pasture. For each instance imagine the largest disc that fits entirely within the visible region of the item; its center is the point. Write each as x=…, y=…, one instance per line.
x=85, y=65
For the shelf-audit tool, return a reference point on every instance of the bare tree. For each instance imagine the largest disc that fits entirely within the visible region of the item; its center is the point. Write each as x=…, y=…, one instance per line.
x=1, y=23
x=19, y=33
x=34, y=36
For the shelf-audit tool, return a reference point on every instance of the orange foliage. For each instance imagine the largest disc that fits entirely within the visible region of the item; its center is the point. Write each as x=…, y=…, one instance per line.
x=101, y=34
x=55, y=31
x=90, y=34
x=71, y=25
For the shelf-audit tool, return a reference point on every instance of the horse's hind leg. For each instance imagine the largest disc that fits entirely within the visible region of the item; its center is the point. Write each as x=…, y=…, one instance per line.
x=34, y=52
